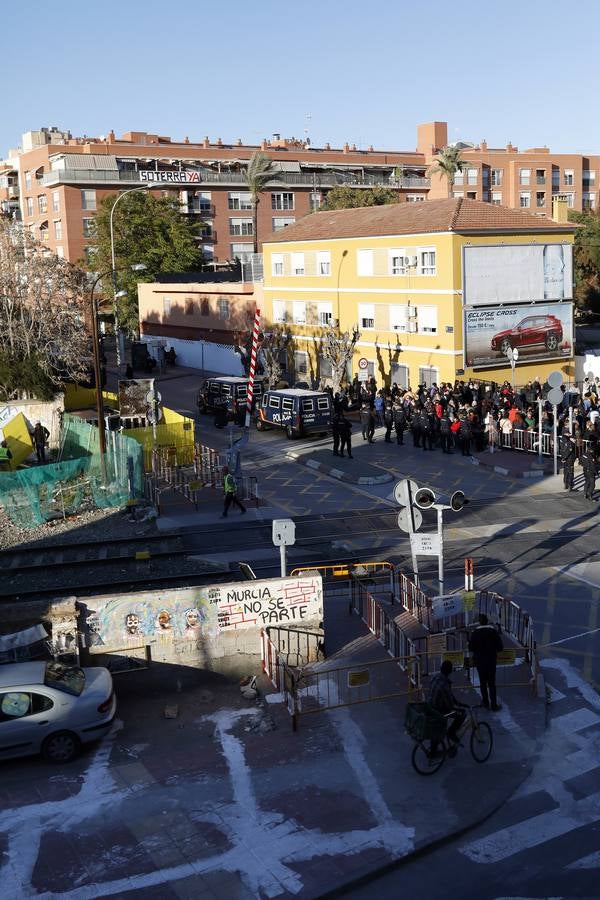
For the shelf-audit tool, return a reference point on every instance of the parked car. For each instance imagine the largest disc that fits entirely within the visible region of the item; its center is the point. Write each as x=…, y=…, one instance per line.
x=299, y=411
x=532, y=330
x=52, y=709
x=229, y=392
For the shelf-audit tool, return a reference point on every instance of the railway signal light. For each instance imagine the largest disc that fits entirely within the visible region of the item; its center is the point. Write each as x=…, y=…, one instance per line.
x=424, y=498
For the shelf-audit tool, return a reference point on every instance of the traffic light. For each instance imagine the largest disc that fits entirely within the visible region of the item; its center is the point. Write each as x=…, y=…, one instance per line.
x=424, y=498
x=458, y=500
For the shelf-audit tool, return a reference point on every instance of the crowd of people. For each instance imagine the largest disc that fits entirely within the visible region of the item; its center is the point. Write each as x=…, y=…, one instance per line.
x=472, y=416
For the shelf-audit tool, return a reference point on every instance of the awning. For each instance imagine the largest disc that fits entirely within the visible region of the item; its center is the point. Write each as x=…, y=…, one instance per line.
x=292, y=166
x=87, y=161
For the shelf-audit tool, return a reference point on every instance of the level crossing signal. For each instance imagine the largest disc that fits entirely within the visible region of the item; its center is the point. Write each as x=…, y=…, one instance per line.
x=425, y=499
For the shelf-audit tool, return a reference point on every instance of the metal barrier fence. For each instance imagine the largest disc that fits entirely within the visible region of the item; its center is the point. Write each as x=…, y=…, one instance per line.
x=296, y=646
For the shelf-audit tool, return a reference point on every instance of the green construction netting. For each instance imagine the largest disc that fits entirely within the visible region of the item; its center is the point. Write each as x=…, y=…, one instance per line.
x=78, y=481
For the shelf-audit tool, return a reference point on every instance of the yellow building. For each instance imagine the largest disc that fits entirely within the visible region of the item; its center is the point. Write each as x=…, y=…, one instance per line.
x=439, y=290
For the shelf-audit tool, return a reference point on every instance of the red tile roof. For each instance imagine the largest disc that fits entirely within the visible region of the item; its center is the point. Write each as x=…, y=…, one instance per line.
x=427, y=217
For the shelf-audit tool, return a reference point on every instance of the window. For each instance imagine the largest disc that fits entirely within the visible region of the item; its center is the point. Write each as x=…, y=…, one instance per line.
x=398, y=318
x=274, y=402
x=497, y=177
x=55, y=201
x=400, y=376
x=17, y=704
x=589, y=200
x=540, y=198
x=325, y=371
x=223, y=307
x=280, y=222
x=540, y=176
x=240, y=200
x=456, y=195
x=315, y=201
x=459, y=178
x=524, y=199
x=189, y=306
x=287, y=404
x=29, y=202
x=555, y=179
x=471, y=195
x=282, y=201
x=297, y=263
x=242, y=252
x=42, y=203
x=307, y=405
x=58, y=230
x=569, y=177
x=299, y=312
x=364, y=262
x=524, y=176
x=167, y=303
x=324, y=313
x=471, y=176
x=300, y=362
x=27, y=181
x=205, y=307
x=496, y=198
x=90, y=255
x=570, y=198
x=44, y=234
x=88, y=228
x=88, y=200
x=323, y=262
x=414, y=198
x=589, y=177
x=240, y=227
x=366, y=315
x=427, y=319
x=279, y=311
x=397, y=262
x=427, y=265
x=277, y=264
x=428, y=375
x=60, y=252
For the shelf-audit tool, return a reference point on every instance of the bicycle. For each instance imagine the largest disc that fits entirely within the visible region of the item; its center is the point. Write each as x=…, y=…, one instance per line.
x=425, y=724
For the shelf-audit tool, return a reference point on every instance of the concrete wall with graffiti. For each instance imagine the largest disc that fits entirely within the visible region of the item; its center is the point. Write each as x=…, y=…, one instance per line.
x=215, y=627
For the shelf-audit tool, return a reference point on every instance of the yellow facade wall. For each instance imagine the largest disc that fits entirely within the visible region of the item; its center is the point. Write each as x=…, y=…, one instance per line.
x=344, y=289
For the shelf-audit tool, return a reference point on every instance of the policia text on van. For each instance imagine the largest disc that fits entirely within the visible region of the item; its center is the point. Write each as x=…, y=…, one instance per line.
x=300, y=412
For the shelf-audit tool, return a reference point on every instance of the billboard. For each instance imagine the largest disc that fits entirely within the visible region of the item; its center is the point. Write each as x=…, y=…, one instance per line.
x=517, y=273
x=186, y=176
x=540, y=331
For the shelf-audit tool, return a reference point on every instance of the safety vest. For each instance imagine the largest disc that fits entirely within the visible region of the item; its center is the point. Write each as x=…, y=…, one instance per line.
x=229, y=483
x=5, y=455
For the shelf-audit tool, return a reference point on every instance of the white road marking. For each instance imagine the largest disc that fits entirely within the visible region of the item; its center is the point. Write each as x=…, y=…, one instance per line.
x=591, y=861
x=575, y=721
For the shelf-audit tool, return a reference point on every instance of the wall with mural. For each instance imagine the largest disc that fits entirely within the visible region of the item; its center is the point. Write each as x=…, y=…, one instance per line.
x=215, y=627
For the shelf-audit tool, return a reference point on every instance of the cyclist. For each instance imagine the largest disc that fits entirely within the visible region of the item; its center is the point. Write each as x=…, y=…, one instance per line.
x=442, y=699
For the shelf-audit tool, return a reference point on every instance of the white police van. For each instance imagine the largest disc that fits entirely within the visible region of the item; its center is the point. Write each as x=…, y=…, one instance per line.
x=299, y=411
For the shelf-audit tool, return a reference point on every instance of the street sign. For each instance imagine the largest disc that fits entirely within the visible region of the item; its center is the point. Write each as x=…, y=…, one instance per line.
x=555, y=396
x=515, y=354
x=401, y=492
x=425, y=544
x=152, y=397
x=358, y=678
x=363, y=376
x=510, y=354
x=284, y=532
x=404, y=523
x=448, y=605
x=363, y=363
x=154, y=415
x=555, y=379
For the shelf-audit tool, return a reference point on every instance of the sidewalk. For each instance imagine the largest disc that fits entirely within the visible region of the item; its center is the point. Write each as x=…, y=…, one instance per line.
x=225, y=801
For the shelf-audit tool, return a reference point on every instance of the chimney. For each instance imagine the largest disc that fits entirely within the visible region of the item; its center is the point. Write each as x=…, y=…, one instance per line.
x=111, y=137
x=560, y=209
x=483, y=145
x=327, y=146
x=264, y=144
x=186, y=140
x=238, y=143
x=371, y=148
x=509, y=148
x=346, y=148
x=219, y=142
x=206, y=142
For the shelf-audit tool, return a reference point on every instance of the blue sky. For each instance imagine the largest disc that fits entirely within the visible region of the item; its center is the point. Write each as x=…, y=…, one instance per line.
x=525, y=72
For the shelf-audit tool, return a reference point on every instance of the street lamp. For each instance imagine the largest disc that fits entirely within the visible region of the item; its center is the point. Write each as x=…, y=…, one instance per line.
x=144, y=187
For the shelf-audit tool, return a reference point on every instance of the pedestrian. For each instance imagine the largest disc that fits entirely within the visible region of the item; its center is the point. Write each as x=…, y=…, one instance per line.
x=442, y=699
x=230, y=493
x=379, y=408
x=371, y=425
x=5, y=457
x=568, y=452
x=445, y=433
x=345, y=427
x=425, y=430
x=416, y=428
x=364, y=419
x=40, y=438
x=399, y=419
x=588, y=462
x=335, y=431
x=388, y=421
x=465, y=436
x=484, y=644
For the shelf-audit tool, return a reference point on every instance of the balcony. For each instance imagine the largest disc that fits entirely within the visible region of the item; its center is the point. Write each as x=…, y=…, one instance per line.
x=210, y=237
x=314, y=180
x=540, y=179
x=206, y=210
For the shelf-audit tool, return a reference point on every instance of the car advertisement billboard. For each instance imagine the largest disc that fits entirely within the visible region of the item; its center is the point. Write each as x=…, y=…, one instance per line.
x=540, y=331
x=517, y=273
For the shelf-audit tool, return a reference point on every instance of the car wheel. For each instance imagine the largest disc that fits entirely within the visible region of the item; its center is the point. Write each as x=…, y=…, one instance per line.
x=551, y=342
x=260, y=425
x=505, y=345
x=290, y=433
x=61, y=747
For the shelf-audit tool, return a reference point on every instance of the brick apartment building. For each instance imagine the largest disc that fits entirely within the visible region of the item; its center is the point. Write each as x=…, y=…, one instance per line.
x=55, y=181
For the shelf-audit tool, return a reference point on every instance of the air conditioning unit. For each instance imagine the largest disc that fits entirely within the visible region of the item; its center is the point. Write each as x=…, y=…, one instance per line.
x=412, y=327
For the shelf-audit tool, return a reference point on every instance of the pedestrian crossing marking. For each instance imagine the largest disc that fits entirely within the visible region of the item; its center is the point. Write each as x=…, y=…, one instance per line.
x=575, y=721
x=591, y=861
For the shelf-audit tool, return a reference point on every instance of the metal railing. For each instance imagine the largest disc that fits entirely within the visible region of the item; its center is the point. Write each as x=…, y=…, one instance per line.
x=296, y=646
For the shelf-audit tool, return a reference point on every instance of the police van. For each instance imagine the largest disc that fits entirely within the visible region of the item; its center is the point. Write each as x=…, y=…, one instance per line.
x=229, y=392
x=299, y=411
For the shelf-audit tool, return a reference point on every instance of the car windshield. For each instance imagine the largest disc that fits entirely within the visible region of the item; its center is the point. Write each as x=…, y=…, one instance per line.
x=69, y=679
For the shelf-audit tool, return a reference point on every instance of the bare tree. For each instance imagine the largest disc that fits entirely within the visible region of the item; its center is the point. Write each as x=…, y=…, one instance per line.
x=272, y=346
x=338, y=349
x=43, y=335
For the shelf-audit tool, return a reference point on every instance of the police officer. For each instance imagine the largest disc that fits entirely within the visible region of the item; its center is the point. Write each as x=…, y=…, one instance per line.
x=425, y=430
x=371, y=425
x=415, y=426
x=568, y=452
x=399, y=417
x=364, y=418
x=445, y=434
x=335, y=433
x=388, y=420
x=588, y=462
x=345, y=427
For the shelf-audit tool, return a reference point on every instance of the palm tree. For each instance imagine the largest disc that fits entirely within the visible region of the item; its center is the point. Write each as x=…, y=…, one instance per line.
x=260, y=172
x=448, y=163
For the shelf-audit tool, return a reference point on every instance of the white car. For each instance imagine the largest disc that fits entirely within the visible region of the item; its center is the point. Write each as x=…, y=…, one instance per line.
x=51, y=708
